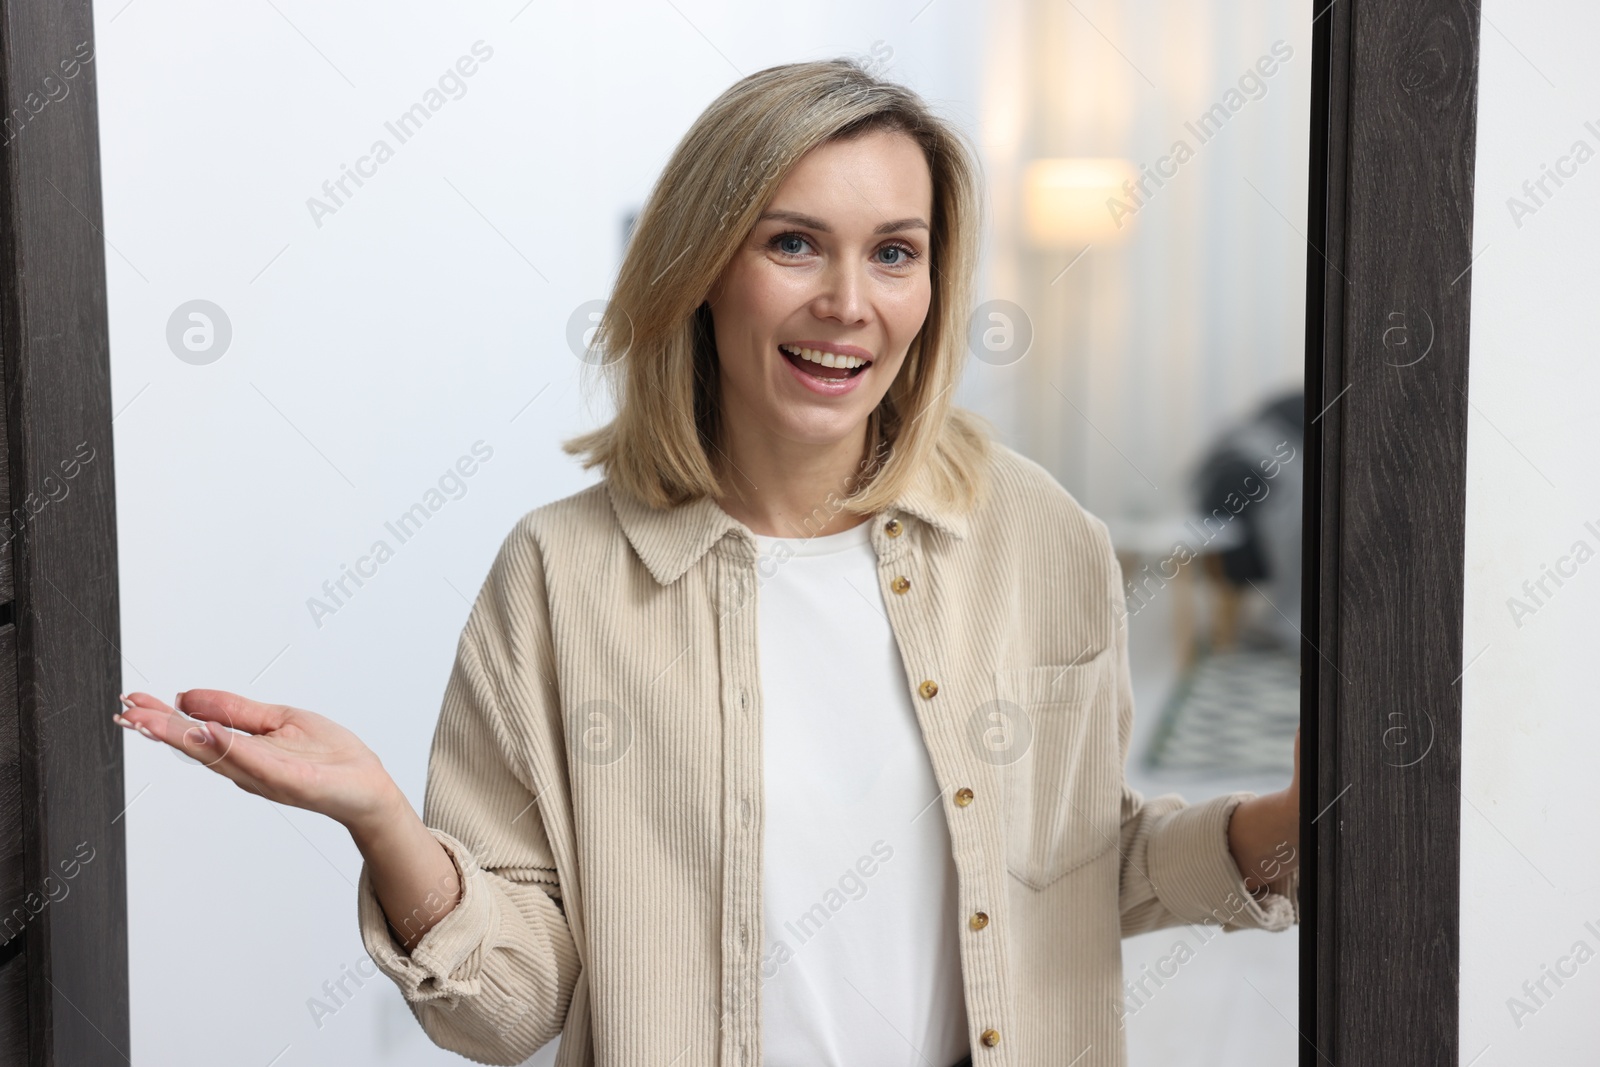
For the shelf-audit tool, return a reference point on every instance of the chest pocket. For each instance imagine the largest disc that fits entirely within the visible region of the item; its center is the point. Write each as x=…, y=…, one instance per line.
x=1060, y=766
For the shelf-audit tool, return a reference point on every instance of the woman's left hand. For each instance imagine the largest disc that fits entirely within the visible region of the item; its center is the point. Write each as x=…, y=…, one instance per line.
x=1264, y=832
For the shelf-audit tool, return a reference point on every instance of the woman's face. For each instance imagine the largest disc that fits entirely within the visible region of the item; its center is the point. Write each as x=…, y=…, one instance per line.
x=835, y=272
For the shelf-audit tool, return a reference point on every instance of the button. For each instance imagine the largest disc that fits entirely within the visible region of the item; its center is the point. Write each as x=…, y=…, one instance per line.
x=744, y=700
x=928, y=688
x=990, y=1038
x=963, y=797
x=979, y=920
x=744, y=812
x=900, y=584
x=893, y=528
x=744, y=934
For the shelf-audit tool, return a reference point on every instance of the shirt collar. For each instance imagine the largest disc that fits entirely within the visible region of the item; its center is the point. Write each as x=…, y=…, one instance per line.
x=671, y=540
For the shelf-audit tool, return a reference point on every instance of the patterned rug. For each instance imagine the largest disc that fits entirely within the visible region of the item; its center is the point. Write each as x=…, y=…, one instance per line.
x=1231, y=711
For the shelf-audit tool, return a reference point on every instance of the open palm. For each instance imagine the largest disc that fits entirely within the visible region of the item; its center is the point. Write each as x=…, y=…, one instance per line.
x=285, y=754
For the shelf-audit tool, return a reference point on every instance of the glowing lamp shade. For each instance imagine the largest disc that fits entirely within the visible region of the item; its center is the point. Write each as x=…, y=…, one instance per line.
x=1064, y=201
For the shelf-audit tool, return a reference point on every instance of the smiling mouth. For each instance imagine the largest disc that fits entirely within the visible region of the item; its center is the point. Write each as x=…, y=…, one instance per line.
x=824, y=364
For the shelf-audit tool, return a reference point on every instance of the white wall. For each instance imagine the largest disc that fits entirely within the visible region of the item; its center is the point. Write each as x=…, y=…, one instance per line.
x=1530, y=869
x=367, y=355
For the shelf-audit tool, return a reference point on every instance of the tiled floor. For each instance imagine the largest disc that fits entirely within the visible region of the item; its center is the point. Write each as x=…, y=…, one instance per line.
x=1233, y=711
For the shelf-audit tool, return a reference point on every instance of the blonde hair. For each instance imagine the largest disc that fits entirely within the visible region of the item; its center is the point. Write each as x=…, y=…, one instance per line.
x=655, y=335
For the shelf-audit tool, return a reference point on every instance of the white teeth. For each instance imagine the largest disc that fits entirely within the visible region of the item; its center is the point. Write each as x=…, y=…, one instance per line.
x=827, y=359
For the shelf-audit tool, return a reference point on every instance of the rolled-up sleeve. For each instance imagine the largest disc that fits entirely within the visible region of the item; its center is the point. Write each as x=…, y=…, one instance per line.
x=1178, y=869
x=1176, y=863
x=494, y=978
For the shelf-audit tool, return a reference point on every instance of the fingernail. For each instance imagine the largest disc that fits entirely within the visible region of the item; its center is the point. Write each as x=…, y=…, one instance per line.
x=146, y=731
x=119, y=720
x=177, y=701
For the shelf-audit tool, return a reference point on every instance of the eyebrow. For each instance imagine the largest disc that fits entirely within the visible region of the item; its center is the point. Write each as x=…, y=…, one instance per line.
x=811, y=222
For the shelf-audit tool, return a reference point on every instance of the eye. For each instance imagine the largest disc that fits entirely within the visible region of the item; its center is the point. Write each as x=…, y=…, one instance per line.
x=900, y=255
x=789, y=244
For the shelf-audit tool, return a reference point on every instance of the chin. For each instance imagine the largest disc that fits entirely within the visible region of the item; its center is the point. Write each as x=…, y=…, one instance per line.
x=819, y=428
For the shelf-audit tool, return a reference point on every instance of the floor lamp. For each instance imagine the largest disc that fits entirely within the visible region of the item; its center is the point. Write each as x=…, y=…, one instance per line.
x=1076, y=207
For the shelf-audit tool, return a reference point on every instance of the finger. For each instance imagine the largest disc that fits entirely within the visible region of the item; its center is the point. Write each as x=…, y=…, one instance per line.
x=231, y=709
x=247, y=761
x=149, y=715
x=143, y=709
x=212, y=746
x=195, y=738
x=1294, y=782
x=155, y=719
x=135, y=700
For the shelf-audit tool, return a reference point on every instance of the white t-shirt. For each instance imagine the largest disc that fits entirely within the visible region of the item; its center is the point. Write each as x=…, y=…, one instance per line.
x=861, y=961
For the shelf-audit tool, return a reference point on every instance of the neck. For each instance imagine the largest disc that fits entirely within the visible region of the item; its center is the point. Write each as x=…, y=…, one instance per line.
x=783, y=488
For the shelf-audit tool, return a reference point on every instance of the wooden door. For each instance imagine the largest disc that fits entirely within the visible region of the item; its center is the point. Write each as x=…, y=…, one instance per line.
x=64, y=957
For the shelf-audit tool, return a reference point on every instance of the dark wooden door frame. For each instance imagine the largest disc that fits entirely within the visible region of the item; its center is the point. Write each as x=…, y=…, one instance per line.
x=62, y=580
x=1394, y=119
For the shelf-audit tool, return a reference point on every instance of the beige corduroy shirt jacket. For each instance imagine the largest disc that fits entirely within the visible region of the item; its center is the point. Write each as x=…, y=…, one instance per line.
x=596, y=777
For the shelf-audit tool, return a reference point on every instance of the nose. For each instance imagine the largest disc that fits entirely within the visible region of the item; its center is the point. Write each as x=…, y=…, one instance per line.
x=844, y=294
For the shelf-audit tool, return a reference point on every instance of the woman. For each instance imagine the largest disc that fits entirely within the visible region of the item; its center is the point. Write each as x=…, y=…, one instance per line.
x=799, y=738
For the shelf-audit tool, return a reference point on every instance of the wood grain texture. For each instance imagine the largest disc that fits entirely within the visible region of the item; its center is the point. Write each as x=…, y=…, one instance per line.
x=12, y=855
x=14, y=913
x=58, y=398
x=1396, y=230
x=7, y=592
x=14, y=1012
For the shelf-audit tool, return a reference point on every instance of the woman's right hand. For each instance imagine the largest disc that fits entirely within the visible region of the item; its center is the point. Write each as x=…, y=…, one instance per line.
x=285, y=754
x=298, y=757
